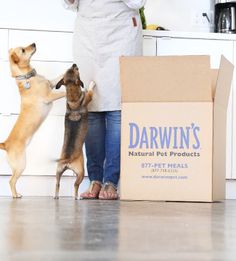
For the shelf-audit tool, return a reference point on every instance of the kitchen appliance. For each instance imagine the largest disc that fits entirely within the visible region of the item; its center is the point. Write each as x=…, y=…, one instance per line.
x=225, y=20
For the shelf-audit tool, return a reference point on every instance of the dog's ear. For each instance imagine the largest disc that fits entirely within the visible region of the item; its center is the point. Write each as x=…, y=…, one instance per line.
x=14, y=57
x=81, y=84
x=60, y=83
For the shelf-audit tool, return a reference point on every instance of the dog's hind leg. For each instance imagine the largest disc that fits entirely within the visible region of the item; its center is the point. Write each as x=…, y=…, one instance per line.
x=79, y=179
x=77, y=166
x=17, y=163
x=60, y=170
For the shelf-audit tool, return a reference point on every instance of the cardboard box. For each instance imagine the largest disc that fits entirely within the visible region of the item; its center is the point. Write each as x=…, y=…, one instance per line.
x=173, y=136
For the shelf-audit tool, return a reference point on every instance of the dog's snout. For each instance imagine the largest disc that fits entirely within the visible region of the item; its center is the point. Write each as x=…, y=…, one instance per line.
x=74, y=66
x=33, y=45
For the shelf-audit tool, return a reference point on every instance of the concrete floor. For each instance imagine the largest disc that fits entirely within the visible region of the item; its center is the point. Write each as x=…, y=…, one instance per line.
x=46, y=229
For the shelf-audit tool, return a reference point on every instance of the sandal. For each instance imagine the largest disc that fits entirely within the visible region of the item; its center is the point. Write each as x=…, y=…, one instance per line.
x=93, y=190
x=108, y=192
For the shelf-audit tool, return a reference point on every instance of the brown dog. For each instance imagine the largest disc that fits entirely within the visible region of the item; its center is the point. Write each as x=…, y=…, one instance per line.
x=36, y=102
x=76, y=125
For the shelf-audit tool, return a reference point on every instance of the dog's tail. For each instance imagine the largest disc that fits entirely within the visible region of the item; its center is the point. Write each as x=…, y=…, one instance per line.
x=2, y=146
x=62, y=161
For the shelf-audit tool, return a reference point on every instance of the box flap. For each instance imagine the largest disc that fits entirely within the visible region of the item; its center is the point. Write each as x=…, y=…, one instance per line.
x=214, y=76
x=222, y=93
x=166, y=78
x=223, y=83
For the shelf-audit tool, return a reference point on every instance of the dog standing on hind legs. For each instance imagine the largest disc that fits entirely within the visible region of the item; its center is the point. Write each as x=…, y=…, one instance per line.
x=76, y=125
x=36, y=102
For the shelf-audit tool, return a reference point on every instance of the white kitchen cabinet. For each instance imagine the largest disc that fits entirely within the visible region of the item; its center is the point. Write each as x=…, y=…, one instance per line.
x=4, y=44
x=6, y=124
x=43, y=150
x=149, y=46
x=51, y=46
x=45, y=147
x=9, y=98
x=214, y=48
x=229, y=138
x=8, y=91
x=234, y=124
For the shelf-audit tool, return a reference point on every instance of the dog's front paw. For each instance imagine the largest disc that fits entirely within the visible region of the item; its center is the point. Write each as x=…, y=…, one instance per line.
x=63, y=94
x=91, y=86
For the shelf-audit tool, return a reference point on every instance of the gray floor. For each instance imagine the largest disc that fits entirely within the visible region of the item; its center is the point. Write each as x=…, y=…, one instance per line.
x=45, y=229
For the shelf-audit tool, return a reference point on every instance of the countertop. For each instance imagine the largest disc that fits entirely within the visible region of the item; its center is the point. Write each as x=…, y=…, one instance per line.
x=191, y=35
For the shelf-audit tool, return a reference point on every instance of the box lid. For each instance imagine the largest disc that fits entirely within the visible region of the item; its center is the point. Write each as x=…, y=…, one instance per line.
x=166, y=78
x=222, y=92
x=223, y=83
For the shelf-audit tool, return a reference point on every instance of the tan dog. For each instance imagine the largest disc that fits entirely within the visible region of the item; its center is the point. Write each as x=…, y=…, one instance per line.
x=36, y=102
x=76, y=125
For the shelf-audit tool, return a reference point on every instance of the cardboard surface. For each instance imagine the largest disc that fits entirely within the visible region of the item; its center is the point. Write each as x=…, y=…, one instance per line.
x=173, y=136
x=158, y=163
x=166, y=78
x=214, y=76
x=223, y=86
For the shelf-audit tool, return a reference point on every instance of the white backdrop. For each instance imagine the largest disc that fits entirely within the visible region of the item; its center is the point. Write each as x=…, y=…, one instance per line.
x=36, y=14
x=178, y=15
x=51, y=15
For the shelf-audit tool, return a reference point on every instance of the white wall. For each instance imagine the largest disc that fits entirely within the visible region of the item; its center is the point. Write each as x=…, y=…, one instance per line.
x=50, y=15
x=179, y=15
x=35, y=14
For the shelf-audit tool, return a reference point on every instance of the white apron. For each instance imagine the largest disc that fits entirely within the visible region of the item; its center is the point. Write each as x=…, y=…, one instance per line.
x=104, y=31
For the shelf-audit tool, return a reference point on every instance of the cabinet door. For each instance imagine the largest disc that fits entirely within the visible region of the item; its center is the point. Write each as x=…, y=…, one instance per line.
x=214, y=48
x=6, y=124
x=4, y=44
x=9, y=92
x=234, y=123
x=44, y=149
x=9, y=98
x=149, y=46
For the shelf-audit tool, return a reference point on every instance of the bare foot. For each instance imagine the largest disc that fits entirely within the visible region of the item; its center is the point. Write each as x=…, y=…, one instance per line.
x=93, y=191
x=17, y=196
x=108, y=192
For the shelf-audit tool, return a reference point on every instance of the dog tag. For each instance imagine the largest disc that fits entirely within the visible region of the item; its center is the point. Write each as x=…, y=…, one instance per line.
x=26, y=85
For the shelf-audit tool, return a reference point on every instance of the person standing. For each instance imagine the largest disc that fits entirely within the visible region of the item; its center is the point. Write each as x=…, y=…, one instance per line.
x=104, y=30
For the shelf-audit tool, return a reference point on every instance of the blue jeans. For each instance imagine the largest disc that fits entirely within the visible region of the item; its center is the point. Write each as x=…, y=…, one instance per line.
x=102, y=146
